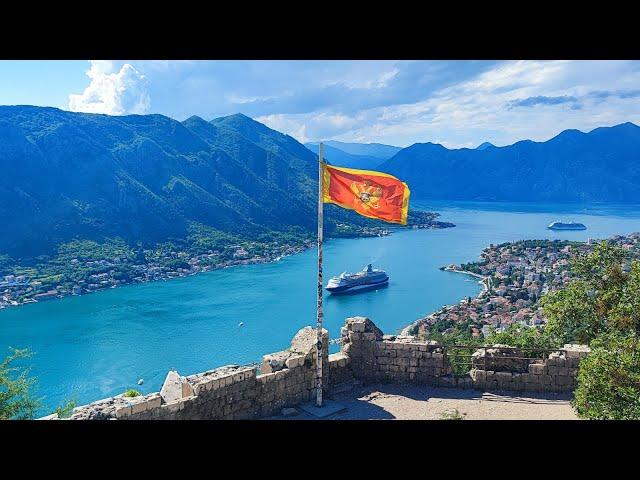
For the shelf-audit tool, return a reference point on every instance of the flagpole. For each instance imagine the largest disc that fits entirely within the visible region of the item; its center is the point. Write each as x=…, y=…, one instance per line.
x=319, y=316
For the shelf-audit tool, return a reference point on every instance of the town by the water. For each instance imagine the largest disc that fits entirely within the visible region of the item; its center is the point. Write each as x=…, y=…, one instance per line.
x=514, y=276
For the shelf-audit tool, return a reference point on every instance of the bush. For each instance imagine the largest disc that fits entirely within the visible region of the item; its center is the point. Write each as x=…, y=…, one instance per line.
x=66, y=410
x=451, y=415
x=131, y=393
x=524, y=337
x=16, y=400
x=609, y=379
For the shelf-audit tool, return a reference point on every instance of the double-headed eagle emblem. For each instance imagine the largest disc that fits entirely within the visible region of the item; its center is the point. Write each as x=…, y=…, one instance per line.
x=368, y=194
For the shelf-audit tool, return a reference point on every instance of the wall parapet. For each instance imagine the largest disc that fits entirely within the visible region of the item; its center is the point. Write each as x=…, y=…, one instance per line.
x=287, y=378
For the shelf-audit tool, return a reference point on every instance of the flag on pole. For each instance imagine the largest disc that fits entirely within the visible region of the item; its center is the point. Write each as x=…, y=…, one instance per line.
x=371, y=194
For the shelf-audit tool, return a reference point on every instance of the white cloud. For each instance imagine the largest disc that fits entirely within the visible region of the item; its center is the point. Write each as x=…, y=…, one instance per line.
x=469, y=112
x=456, y=103
x=112, y=92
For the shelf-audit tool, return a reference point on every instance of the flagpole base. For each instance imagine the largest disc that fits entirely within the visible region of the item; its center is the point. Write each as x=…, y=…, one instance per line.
x=328, y=408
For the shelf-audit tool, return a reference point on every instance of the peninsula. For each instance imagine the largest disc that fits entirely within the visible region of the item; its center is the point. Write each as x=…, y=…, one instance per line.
x=514, y=275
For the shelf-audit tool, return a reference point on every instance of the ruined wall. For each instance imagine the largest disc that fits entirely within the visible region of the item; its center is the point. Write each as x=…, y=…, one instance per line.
x=403, y=359
x=287, y=378
x=233, y=392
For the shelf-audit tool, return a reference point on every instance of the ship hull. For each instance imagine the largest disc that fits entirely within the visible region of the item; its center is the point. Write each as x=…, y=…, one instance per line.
x=567, y=228
x=344, y=290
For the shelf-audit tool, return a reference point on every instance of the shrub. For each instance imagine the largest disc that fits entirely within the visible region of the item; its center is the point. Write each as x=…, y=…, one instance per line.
x=451, y=415
x=609, y=379
x=16, y=400
x=65, y=411
x=131, y=393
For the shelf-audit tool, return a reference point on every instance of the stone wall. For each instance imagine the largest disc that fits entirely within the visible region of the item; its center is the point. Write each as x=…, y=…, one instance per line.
x=233, y=392
x=287, y=378
x=403, y=359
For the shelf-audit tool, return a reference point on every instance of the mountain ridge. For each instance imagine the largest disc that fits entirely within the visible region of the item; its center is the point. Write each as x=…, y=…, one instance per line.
x=573, y=166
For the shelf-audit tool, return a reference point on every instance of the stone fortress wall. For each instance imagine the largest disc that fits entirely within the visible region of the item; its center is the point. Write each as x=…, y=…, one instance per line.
x=286, y=378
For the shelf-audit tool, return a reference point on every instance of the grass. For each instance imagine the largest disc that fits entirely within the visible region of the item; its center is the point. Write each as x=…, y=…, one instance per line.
x=451, y=415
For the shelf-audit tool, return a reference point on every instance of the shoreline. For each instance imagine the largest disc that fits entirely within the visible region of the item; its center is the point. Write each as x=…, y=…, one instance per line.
x=302, y=247
x=483, y=281
x=241, y=263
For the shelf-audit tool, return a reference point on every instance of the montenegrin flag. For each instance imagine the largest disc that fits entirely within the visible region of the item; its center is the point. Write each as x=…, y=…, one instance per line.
x=371, y=194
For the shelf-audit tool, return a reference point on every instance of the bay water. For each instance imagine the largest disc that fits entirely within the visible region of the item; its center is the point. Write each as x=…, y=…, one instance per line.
x=97, y=345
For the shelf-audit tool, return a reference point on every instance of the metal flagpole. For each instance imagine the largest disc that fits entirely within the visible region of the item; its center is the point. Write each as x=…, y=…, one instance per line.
x=319, y=344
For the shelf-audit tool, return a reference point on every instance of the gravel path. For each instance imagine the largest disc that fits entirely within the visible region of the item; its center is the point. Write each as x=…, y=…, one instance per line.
x=381, y=402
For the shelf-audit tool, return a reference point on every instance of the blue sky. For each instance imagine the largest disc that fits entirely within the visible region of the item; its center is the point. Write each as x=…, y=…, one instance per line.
x=456, y=103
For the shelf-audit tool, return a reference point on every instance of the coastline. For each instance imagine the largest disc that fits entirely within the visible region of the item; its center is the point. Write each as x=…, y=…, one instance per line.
x=406, y=331
x=272, y=258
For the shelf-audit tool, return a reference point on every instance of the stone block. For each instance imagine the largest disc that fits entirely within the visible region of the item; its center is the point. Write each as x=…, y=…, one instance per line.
x=402, y=361
x=576, y=351
x=123, y=411
x=294, y=361
x=572, y=362
x=174, y=407
x=537, y=369
x=478, y=375
x=465, y=383
x=358, y=327
x=174, y=388
x=447, y=381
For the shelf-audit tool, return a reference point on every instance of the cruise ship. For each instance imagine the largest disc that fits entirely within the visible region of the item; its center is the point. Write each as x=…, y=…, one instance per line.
x=566, y=226
x=368, y=279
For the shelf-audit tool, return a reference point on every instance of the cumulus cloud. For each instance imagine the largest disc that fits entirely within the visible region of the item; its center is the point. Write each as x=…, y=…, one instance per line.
x=112, y=92
x=456, y=103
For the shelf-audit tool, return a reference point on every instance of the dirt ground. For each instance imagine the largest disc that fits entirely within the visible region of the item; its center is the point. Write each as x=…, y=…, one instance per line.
x=388, y=402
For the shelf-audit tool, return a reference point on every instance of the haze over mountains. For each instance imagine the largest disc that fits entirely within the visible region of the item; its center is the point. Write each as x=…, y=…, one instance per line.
x=600, y=166
x=366, y=156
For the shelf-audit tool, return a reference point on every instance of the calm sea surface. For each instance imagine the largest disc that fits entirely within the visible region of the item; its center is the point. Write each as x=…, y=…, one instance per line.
x=97, y=345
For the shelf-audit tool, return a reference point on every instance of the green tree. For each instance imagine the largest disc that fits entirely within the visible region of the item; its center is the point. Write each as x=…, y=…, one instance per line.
x=16, y=399
x=602, y=296
x=609, y=379
x=521, y=336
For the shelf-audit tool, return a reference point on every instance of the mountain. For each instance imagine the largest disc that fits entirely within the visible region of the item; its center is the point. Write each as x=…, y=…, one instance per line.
x=148, y=178
x=600, y=166
x=485, y=145
x=355, y=155
x=377, y=150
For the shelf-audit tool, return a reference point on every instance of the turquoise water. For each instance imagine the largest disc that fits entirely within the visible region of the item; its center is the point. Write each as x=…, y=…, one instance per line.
x=97, y=345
